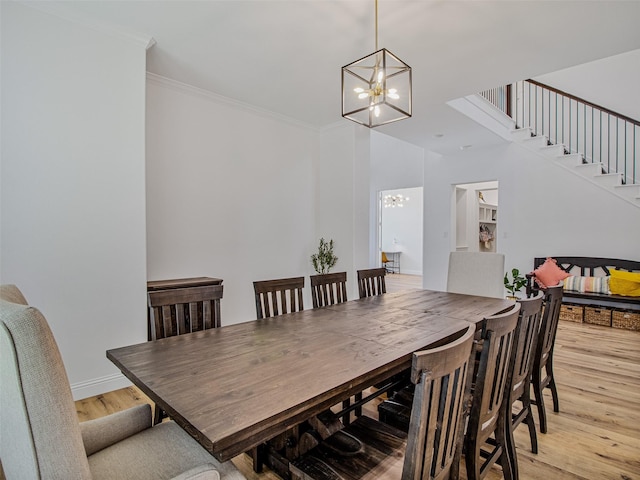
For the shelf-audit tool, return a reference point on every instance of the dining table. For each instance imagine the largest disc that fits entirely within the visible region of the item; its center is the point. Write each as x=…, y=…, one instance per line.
x=236, y=387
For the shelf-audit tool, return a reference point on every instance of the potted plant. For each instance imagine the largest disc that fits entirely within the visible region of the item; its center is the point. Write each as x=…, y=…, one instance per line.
x=324, y=260
x=514, y=284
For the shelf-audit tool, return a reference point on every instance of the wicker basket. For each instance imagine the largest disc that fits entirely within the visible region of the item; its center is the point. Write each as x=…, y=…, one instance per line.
x=571, y=313
x=626, y=319
x=597, y=316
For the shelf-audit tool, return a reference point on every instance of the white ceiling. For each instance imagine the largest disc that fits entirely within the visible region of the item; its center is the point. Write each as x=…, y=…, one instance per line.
x=285, y=56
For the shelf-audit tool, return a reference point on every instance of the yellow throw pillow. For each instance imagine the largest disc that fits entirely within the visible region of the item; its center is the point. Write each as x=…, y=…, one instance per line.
x=625, y=283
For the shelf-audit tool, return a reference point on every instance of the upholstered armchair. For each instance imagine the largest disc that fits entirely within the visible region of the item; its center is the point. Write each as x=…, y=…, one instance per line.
x=476, y=273
x=41, y=437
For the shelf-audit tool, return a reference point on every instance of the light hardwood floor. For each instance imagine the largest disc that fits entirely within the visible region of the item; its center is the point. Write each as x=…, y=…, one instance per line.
x=596, y=435
x=396, y=282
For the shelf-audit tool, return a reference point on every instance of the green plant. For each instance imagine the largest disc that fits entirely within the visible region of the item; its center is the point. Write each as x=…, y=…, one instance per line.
x=325, y=259
x=516, y=282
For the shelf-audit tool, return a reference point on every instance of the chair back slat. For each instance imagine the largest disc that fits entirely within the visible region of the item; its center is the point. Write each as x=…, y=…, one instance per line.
x=177, y=311
x=328, y=289
x=277, y=297
x=371, y=282
x=436, y=424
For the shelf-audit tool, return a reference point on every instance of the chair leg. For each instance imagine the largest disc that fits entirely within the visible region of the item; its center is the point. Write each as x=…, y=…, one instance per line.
x=532, y=431
x=554, y=395
x=552, y=385
x=528, y=419
x=358, y=411
x=158, y=415
x=504, y=437
x=346, y=419
x=472, y=460
x=537, y=392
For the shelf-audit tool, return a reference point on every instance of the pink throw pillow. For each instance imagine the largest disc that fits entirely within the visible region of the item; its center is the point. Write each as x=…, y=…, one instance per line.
x=549, y=273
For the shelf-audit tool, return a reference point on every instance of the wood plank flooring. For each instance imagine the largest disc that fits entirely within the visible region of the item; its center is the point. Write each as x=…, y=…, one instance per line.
x=596, y=435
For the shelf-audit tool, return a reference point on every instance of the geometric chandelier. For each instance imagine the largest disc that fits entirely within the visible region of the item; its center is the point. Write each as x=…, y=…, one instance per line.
x=376, y=89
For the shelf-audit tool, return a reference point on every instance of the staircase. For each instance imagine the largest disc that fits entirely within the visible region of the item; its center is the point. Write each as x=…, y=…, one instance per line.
x=600, y=145
x=592, y=172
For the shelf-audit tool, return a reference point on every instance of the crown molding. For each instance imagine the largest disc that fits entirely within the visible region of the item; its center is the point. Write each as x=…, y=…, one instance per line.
x=66, y=13
x=222, y=100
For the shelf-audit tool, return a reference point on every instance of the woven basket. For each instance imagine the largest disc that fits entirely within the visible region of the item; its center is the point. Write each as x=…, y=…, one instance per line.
x=571, y=313
x=625, y=319
x=597, y=316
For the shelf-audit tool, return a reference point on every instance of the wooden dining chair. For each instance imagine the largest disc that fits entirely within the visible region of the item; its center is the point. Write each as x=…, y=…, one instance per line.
x=177, y=311
x=520, y=394
x=485, y=440
x=371, y=282
x=328, y=289
x=277, y=297
x=369, y=448
x=542, y=370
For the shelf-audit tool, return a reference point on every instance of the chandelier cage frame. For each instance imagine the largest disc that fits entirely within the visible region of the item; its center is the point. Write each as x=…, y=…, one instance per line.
x=377, y=88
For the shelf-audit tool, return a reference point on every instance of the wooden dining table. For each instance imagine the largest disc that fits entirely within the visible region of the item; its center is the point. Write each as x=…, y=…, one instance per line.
x=235, y=387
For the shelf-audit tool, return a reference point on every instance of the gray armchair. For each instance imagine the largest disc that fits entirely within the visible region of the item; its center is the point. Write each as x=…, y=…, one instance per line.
x=41, y=437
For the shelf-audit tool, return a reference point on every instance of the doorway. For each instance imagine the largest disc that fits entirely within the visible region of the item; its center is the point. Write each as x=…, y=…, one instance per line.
x=476, y=217
x=400, y=228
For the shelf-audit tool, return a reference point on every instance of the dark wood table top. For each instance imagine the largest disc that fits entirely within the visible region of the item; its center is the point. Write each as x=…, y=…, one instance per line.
x=237, y=386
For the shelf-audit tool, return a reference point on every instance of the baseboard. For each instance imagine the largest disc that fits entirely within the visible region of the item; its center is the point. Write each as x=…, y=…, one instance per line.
x=408, y=272
x=97, y=386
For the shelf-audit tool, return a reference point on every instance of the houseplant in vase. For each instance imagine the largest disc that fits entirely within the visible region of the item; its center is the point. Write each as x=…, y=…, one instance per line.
x=325, y=259
x=514, y=284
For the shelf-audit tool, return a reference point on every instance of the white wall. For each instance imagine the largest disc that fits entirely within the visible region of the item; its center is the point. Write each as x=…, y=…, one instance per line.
x=229, y=194
x=334, y=211
x=72, y=196
x=602, y=82
x=544, y=210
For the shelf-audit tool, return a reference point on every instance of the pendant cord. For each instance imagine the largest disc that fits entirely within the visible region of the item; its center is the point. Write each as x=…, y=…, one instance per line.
x=376, y=25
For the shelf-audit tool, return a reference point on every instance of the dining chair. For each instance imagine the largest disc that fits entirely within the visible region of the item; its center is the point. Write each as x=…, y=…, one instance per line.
x=328, y=289
x=371, y=449
x=387, y=263
x=520, y=394
x=177, y=311
x=485, y=440
x=41, y=437
x=277, y=297
x=371, y=282
x=476, y=273
x=542, y=370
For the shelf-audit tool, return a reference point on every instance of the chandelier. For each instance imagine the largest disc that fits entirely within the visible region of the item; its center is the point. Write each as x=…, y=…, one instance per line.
x=393, y=201
x=377, y=88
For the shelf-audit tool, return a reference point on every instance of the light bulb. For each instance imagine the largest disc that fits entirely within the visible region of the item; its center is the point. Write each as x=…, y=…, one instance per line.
x=380, y=77
x=358, y=89
x=376, y=111
x=393, y=93
x=363, y=95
